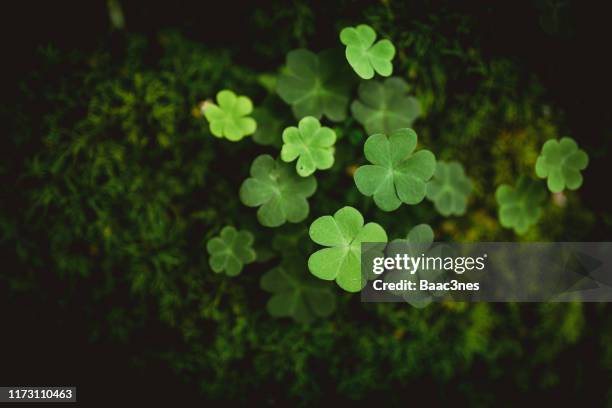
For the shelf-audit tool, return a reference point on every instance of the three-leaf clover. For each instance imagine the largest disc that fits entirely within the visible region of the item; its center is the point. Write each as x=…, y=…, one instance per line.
x=520, y=207
x=314, y=85
x=310, y=142
x=229, y=117
x=364, y=56
x=343, y=233
x=561, y=162
x=280, y=194
x=295, y=293
x=230, y=251
x=449, y=188
x=396, y=175
x=385, y=106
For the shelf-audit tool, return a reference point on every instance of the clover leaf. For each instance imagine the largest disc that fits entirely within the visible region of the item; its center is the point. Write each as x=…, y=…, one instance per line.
x=229, y=118
x=363, y=55
x=396, y=175
x=385, y=106
x=343, y=233
x=279, y=193
x=310, y=142
x=520, y=206
x=560, y=163
x=295, y=293
x=315, y=85
x=230, y=251
x=449, y=188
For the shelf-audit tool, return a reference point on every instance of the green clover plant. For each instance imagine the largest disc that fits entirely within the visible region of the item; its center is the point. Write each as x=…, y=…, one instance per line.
x=397, y=175
x=343, y=233
x=230, y=251
x=385, y=106
x=296, y=293
x=449, y=188
x=363, y=55
x=315, y=85
x=229, y=117
x=280, y=194
x=560, y=163
x=520, y=206
x=311, y=144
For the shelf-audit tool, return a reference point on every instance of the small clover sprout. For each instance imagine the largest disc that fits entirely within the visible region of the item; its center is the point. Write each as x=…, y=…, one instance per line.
x=560, y=163
x=520, y=207
x=230, y=251
x=364, y=56
x=296, y=293
x=269, y=128
x=310, y=142
x=385, y=106
x=229, y=118
x=396, y=175
x=343, y=233
x=449, y=188
x=315, y=85
x=279, y=193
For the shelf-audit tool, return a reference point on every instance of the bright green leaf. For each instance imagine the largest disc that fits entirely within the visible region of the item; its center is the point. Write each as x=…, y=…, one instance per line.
x=278, y=191
x=364, y=56
x=315, y=85
x=311, y=144
x=343, y=234
x=385, y=106
x=449, y=188
x=397, y=175
x=520, y=207
x=228, y=118
x=230, y=251
x=560, y=163
x=295, y=293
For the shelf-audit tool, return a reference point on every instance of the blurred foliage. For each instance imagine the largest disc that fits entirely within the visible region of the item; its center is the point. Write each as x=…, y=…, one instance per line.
x=385, y=106
x=561, y=163
x=230, y=251
x=115, y=184
x=449, y=188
